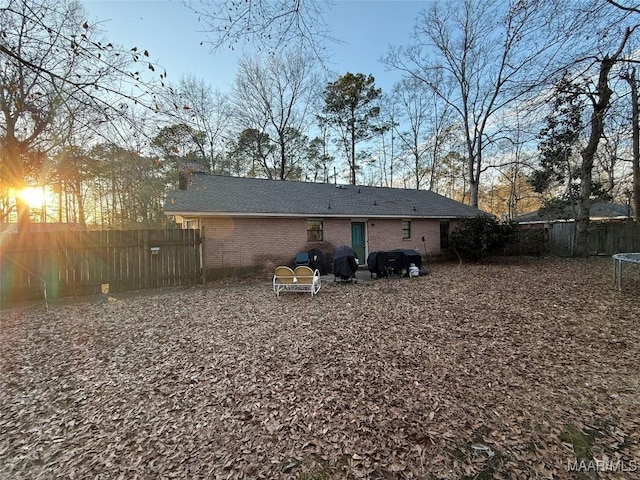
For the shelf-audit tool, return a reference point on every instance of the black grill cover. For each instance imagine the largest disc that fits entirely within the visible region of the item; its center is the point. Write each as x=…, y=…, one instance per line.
x=393, y=261
x=406, y=257
x=344, y=263
x=318, y=261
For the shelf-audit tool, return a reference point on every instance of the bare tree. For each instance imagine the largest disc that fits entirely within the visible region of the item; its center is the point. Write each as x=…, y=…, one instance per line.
x=451, y=176
x=511, y=163
x=625, y=8
x=275, y=98
x=206, y=111
x=268, y=25
x=592, y=67
x=67, y=165
x=427, y=124
x=600, y=99
x=615, y=152
x=411, y=97
x=494, y=52
x=50, y=55
x=632, y=80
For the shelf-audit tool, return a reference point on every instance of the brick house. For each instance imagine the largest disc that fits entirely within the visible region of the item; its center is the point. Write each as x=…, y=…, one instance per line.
x=252, y=223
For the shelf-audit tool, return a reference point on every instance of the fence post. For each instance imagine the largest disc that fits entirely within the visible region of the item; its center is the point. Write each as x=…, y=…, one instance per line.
x=202, y=249
x=143, y=239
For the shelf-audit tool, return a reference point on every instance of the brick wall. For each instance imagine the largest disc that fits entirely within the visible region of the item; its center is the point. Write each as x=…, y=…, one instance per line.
x=264, y=243
x=252, y=242
x=387, y=235
x=337, y=231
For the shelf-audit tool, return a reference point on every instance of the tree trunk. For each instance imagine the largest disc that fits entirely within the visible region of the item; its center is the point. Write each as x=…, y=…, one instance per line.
x=15, y=172
x=473, y=183
x=634, y=200
x=283, y=157
x=24, y=214
x=77, y=192
x=60, y=202
x=581, y=247
x=635, y=162
x=352, y=163
x=474, y=175
x=416, y=160
x=600, y=103
x=473, y=193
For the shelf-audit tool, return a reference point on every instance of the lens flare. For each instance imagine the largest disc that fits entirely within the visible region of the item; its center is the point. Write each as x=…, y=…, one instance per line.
x=34, y=196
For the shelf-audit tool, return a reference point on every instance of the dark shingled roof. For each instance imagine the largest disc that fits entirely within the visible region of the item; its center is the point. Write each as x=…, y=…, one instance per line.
x=597, y=211
x=214, y=194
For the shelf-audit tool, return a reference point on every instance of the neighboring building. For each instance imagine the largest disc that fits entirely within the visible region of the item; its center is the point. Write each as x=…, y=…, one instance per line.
x=598, y=212
x=611, y=230
x=252, y=223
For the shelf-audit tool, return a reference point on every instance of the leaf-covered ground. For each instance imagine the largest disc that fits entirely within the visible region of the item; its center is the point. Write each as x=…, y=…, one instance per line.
x=519, y=368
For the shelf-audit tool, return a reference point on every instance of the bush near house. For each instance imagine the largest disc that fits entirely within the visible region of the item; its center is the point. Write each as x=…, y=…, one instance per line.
x=477, y=237
x=524, y=241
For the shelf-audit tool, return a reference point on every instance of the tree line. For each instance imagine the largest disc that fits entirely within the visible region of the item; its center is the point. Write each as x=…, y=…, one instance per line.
x=508, y=106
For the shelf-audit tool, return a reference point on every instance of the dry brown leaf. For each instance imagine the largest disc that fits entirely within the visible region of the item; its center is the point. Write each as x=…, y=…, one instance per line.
x=397, y=379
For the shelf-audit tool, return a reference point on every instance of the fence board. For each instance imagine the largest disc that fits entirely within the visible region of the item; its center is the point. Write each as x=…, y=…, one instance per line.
x=70, y=263
x=604, y=238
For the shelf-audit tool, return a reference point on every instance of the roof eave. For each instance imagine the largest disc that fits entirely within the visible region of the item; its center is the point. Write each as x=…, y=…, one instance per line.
x=311, y=215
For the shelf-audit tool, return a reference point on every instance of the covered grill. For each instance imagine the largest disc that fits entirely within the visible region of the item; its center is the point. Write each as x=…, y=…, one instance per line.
x=393, y=262
x=345, y=265
x=317, y=260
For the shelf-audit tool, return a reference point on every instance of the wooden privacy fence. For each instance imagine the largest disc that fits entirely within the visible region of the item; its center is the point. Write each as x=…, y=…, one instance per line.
x=604, y=238
x=68, y=263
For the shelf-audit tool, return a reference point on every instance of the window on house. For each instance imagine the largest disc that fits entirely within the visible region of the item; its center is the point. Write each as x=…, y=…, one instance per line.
x=314, y=230
x=444, y=234
x=406, y=229
x=190, y=224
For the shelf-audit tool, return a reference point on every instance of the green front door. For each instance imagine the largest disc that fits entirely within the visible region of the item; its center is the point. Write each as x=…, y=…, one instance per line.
x=357, y=241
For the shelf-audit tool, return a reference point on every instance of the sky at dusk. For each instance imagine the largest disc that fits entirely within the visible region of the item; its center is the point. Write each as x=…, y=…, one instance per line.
x=173, y=36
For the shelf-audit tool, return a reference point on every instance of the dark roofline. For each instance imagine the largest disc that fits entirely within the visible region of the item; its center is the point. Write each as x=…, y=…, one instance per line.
x=599, y=211
x=306, y=215
x=211, y=195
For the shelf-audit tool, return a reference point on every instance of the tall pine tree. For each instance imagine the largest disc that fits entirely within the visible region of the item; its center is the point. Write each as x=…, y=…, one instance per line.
x=350, y=109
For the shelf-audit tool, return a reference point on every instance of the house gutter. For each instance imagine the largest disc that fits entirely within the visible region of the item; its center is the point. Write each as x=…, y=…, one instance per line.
x=310, y=215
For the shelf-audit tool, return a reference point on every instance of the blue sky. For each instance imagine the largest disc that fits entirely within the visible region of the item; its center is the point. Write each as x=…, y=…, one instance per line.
x=172, y=35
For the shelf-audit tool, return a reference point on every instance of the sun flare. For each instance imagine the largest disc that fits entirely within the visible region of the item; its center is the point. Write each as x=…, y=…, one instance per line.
x=34, y=196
